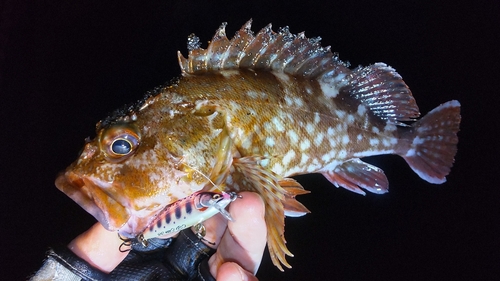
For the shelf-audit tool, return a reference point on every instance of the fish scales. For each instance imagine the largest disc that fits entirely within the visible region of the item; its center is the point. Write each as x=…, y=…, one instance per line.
x=247, y=114
x=275, y=115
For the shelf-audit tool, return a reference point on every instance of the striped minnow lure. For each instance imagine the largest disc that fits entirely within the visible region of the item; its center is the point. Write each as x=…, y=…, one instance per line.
x=188, y=212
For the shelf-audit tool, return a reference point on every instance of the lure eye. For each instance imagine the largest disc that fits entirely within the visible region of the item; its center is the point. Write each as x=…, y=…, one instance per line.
x=216, y=196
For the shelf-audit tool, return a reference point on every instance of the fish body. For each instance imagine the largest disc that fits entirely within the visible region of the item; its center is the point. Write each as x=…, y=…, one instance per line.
x=247, y=114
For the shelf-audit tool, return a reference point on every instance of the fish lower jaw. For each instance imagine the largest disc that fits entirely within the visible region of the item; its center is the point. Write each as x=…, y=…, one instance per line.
x=113, y=211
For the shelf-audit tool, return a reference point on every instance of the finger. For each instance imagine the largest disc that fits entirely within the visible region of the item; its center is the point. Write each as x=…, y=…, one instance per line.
x=231, y=271
x=245, y=239
x=249, y=230
x=215, y=227
x=99, y=247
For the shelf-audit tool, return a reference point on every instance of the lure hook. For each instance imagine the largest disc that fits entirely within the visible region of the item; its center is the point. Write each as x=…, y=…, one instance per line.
x=127, y=242
x=201, y=231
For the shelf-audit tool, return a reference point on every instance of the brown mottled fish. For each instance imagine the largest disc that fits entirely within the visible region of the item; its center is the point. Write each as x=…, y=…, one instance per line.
x=248, y=114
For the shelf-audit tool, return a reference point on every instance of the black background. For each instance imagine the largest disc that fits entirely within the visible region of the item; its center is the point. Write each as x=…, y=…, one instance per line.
x=66, y=64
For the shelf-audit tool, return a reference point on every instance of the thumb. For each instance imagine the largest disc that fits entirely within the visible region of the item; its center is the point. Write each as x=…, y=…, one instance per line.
x=231, y=271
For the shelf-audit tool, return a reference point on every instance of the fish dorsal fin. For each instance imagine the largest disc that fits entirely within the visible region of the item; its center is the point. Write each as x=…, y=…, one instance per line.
x=381, y=89
x=378, y=87
x=279, y=51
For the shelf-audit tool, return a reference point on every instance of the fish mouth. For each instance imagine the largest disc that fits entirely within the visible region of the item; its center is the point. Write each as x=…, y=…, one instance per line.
x=94, y=197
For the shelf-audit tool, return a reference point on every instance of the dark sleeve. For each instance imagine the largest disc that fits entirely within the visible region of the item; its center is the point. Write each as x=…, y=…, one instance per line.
x=186, y=258
x=63, y=264
x=183, y=258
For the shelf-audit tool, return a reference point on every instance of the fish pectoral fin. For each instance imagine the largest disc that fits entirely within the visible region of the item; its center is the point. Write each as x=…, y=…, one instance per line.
x=267, y=184
x=224, y=159
x=355, y=173
x=292, y=207
x=219, y=121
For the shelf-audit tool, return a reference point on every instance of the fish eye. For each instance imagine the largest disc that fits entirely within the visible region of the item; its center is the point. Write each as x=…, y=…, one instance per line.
x=121, y=146
x=216, y=196
x=119, y=141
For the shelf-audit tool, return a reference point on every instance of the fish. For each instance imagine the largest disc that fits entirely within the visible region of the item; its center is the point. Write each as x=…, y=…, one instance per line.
x=248, y=114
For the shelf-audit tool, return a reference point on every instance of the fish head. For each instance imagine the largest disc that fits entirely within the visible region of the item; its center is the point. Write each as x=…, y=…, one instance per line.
x=124, y=177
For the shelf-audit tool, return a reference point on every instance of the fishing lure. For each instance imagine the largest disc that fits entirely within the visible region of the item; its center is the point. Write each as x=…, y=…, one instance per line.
x=187, y=212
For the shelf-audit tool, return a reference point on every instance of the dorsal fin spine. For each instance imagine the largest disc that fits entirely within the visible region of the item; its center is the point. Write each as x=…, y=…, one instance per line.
x=268, y=50
x=217, y=50
x=256, y=48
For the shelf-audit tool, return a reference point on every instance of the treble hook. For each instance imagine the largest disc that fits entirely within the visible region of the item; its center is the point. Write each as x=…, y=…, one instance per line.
x=126, y=242
x=200, y=232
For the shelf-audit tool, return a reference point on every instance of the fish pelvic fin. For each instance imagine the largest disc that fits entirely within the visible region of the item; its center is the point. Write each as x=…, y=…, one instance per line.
x=292, y=207
x=434, y=141
x=266, y=184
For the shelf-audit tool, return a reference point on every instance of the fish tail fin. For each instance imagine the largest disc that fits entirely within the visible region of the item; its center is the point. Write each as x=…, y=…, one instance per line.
x=434, y=142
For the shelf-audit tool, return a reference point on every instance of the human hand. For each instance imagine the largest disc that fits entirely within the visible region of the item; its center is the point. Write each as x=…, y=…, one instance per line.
x=240, y=244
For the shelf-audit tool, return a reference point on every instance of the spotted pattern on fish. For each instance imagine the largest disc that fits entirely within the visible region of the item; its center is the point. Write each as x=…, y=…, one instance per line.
x=247, y=114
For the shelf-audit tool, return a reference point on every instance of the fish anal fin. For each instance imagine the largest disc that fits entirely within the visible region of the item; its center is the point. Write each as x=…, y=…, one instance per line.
x=355, y=173
x=293, y=208
x=266, y=184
